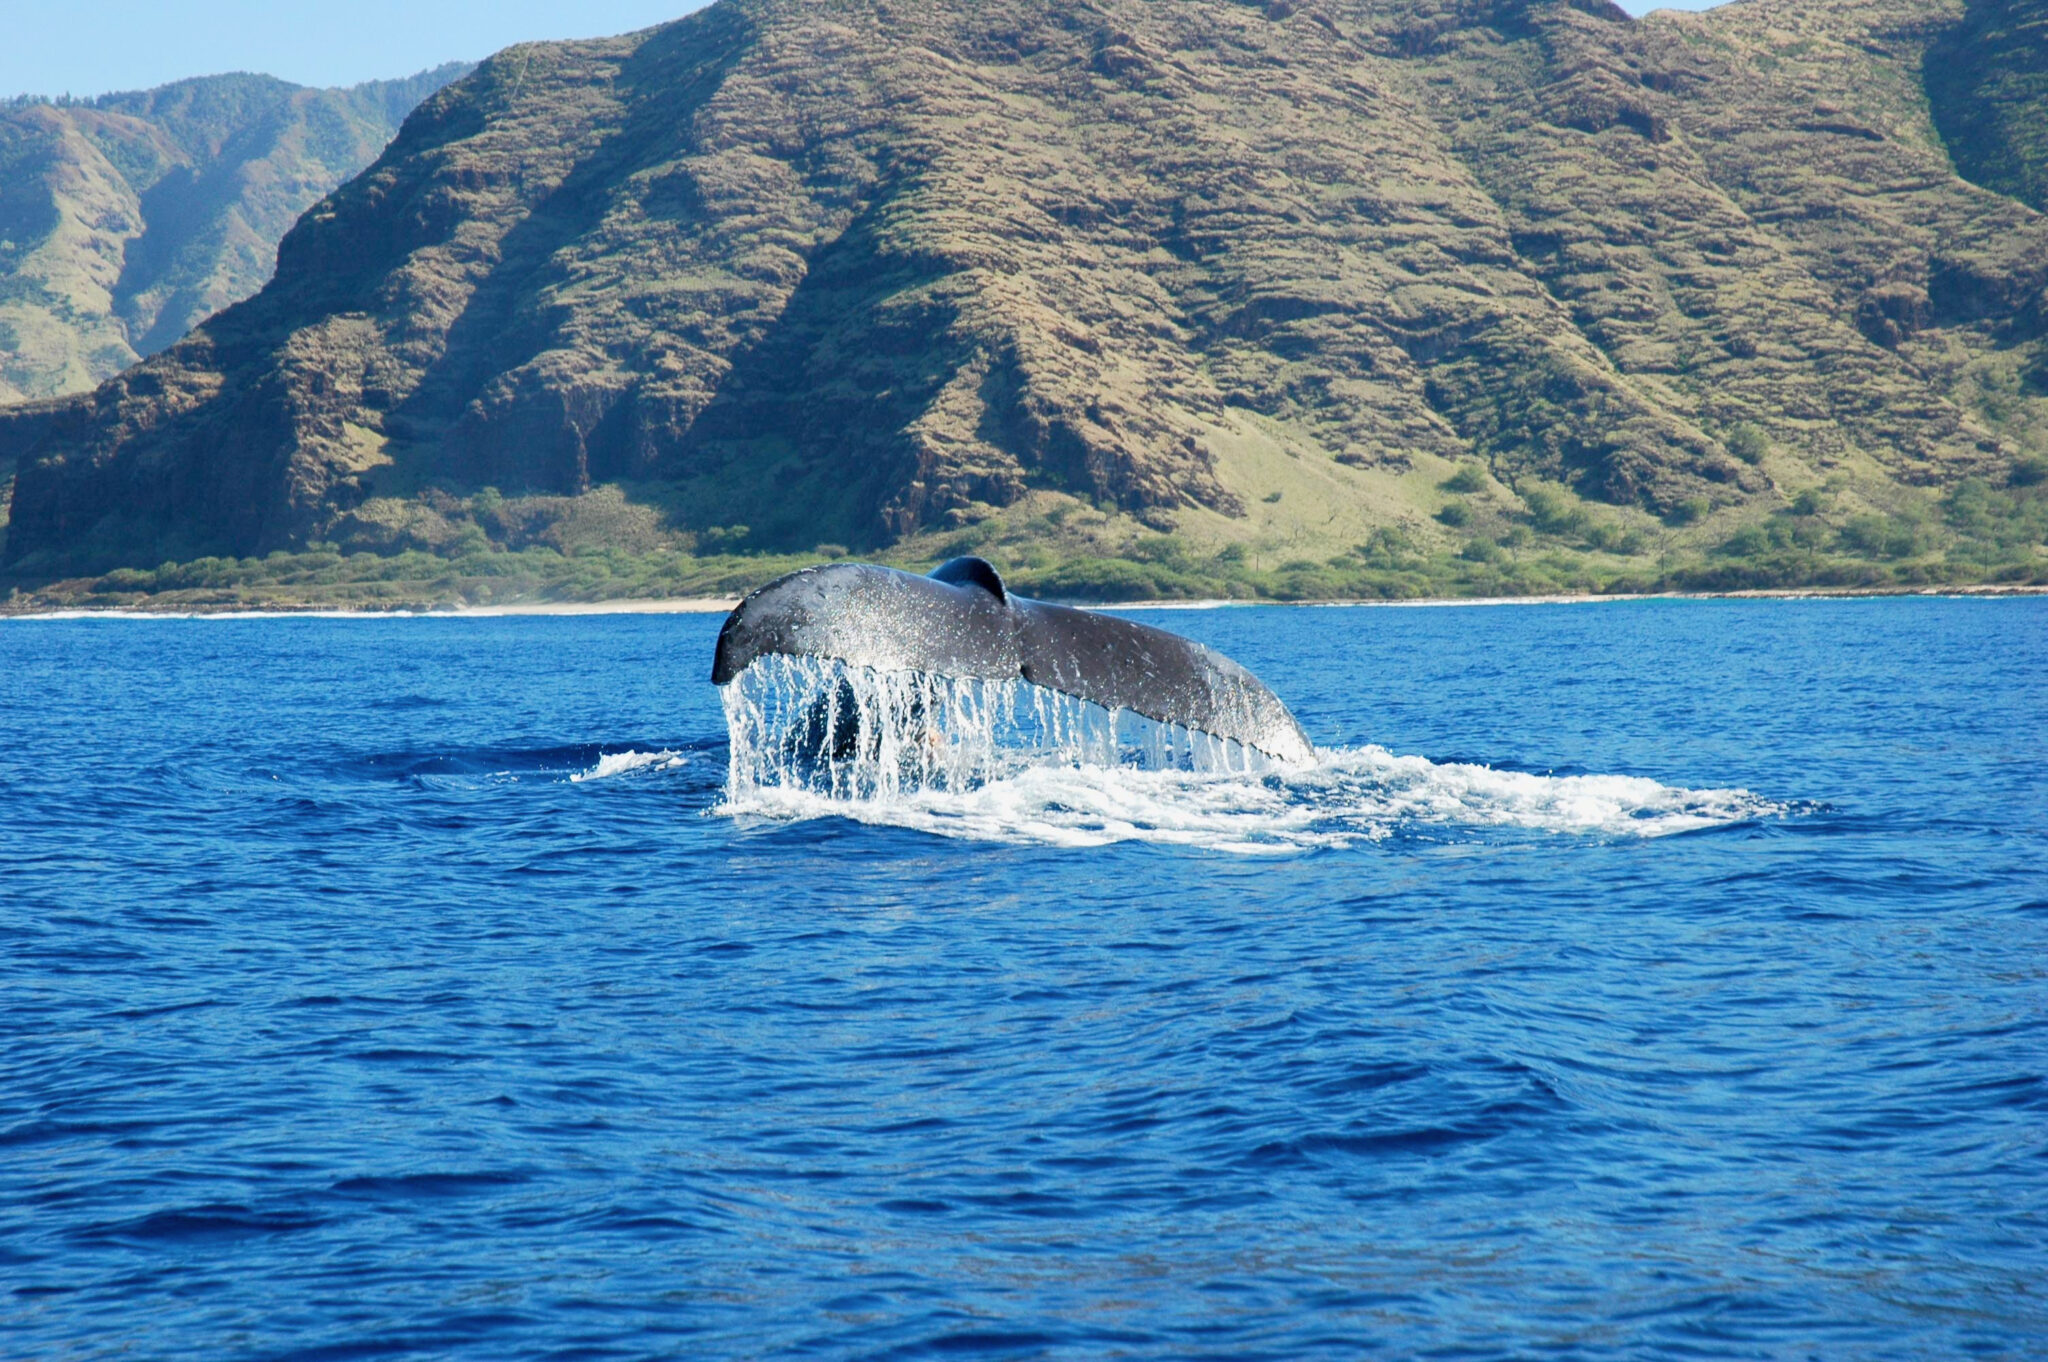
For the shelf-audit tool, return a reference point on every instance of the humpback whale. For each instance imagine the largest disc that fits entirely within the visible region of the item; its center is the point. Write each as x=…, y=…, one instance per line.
x=962, y=622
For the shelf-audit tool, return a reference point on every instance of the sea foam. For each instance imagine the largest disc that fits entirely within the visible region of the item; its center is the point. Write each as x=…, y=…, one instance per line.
x=619, y=763
x=1012, y=762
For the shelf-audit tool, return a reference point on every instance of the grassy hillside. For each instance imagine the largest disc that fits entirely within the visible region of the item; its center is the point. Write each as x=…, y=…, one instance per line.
x=1987, y=83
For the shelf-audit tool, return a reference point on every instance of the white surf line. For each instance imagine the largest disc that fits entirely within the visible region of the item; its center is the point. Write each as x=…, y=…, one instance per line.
x=679, y=606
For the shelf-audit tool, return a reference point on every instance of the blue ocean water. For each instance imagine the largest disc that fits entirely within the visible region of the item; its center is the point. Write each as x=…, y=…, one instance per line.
x=1649, y=978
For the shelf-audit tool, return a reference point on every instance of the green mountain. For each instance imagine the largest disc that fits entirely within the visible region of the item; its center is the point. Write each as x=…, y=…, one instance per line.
x=1314, y=286
x=1988, y=83
x=127, y=220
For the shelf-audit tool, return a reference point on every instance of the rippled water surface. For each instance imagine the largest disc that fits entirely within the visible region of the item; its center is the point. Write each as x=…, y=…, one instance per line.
x=1640, y=978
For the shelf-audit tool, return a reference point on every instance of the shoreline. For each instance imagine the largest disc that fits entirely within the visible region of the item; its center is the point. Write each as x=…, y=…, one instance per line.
x=680, y=605
x=706, y=605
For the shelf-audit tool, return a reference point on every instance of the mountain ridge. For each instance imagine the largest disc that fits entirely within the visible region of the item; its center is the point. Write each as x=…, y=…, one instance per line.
x=128, y=218
x=858, y=273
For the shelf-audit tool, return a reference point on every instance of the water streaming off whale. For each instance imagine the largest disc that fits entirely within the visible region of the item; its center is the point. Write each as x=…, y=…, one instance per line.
x=1009, y=761
x=861, y=732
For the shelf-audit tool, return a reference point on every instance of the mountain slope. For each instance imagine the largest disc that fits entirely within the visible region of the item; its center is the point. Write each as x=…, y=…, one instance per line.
x=1987, y=81
x=856, y=271
x=126, y=220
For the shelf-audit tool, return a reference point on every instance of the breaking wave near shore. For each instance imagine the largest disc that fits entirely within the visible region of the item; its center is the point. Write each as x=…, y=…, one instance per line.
x=1013, y=762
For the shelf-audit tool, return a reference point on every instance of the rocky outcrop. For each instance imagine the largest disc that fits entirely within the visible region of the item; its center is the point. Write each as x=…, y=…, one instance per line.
x=845, y=271
x=127, y=220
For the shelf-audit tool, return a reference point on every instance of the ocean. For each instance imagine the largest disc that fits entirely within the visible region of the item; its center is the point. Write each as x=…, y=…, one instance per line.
x=1625, y=979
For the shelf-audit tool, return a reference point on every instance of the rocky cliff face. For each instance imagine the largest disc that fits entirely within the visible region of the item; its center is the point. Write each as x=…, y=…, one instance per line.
x=846, y=271
x=126, y=220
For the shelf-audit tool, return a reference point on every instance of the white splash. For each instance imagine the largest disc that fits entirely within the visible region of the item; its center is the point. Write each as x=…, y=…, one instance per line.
x=855, y=733
x=1013, y=762
x=618, y=763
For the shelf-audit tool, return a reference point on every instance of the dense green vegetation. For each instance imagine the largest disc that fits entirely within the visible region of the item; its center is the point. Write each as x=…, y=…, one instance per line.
x=1974, y=535
x=1987, y=83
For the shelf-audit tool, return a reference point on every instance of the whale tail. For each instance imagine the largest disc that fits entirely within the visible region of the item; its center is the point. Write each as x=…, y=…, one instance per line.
x=962, y=622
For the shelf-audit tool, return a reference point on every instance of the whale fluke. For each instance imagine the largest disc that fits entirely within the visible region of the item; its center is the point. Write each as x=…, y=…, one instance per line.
x=961, y=621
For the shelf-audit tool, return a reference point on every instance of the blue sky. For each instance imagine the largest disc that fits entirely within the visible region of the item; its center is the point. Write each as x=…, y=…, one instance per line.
x=88, y=47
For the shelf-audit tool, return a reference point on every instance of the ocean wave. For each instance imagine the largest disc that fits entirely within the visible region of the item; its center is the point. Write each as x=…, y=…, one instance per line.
x=461, y=766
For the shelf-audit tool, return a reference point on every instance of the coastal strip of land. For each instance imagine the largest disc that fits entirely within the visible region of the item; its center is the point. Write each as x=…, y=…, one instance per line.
x=713, y=605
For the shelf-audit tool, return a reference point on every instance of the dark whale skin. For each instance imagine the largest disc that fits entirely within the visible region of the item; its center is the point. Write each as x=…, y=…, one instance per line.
x=961, y=621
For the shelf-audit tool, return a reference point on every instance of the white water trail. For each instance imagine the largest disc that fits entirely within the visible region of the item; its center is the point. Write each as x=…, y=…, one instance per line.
x=1012, y=762
x=611, y=764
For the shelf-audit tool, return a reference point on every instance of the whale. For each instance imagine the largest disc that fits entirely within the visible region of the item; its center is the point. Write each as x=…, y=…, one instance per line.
x=962, y=621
